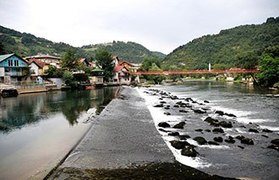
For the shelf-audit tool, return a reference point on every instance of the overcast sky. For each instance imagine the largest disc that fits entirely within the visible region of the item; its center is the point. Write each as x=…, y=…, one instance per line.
x=160, y=25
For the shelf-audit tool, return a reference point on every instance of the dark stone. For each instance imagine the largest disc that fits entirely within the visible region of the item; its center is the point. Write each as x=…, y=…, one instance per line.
x=179, y=125
x=242, y=126
x=265, y=136
x=189, y=151
x=207, y=130
x=272, y=146
x=198, y=130
x=189, y=99
x=218, y=139
x=253, y=130
x=200, y=140
x=163, y=102
x=230, y=140
x=163, y=130
x=167, y=108
x=179, y=144
x=230, y=115
x=240, y=137
x=182, y=110
x=226, y=124
x=167, y=113
x=275, y=141
x=267, y=131
x=247, y=141
x=163, y=124
x=176, y=106
x=211, y=121
x=205, y=101
x=184, y=137
x=221, y=113
x=173, y=134
x=241, y=147
x=160, y=98
x=213, y=143
x=218, y=130
x=158, y=105
x=198, y=111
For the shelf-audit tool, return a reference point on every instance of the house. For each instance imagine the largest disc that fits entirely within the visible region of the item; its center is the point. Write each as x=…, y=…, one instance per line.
x=12, y=68
x=37, y=67
x=51, y=60
x=97, y=77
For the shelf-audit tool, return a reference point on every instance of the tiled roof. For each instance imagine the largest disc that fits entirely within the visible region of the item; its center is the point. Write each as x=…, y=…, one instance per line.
x=5, y=56
x=38, y=62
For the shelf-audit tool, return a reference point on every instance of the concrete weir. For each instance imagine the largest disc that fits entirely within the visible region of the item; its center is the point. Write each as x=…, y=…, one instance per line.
x=121, y=137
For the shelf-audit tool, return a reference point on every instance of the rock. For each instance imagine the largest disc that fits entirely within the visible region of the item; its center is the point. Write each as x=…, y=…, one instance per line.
x=230, y=140
x=265, y=136
x=184, y=137
x=267, y=131
x=240, y=137
x=182, y=110
x=163, y=124
x=226, y=124
x=173, y=134
x=176, y=106
x=163, y=130
x=212, y=122
x=198, y=111
x=163, y=102
x=167, y=113
x=189, y=151
x=158, y=105
x=189, y=99
x=247, y=141
x=241, y=147
x=253, y=130
x=272, y=146
x=179, y=125
x=179, y=144
x=166, y=108
x=221, y=113
x=207, y=130
x=242, y=126
x=218, y=139
x=198, y=130
x=200, y=140
x=230, y=115
x=205, y=101
x=275, y=141
x=218, y=130
x=213, y=143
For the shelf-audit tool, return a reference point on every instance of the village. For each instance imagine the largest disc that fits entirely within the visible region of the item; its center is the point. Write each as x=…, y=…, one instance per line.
x=21, y=75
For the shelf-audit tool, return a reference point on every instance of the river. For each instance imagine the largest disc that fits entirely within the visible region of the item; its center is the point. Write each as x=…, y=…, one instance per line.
x=38, y=130
x=254, y=108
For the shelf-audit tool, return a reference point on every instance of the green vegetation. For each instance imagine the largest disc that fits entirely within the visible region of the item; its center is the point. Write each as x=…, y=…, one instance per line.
x=104, y=60
x=152, y=64
x=130, y=51
x=25, y=44
x=237, y=47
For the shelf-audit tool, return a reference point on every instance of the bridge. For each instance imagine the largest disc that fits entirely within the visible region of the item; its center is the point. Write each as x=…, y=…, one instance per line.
x=190, y=72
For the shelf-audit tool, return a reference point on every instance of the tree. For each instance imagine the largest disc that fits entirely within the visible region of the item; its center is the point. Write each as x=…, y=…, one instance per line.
x=105, y=61
x=249, y=60
x=70, y=60
x=68, y=77
x=148, y=61
x=52, y=71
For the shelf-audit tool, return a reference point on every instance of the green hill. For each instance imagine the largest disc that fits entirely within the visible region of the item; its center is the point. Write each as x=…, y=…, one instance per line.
x=25, y=44
x=130, y=51
x=223, y=49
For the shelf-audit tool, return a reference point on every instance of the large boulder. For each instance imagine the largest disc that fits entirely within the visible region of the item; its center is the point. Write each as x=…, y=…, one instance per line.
x=183, y=111
x=230, y=115
x=167, y=113
x=173, y=134
x=275, y=141
x=253, y=130
x=225, y=124
x=212, y=122
x=221, y=113
x=158, y=105
x=267, y=131
x=200, y=140
x=189, y=151
x=218, y=130
x=178, y=144
x=218, y=139
x=272, y=146
x=198, y=111
x=184, y=137
x=240, y=137
x=230, y=140
x=247, y=141
x=164, y=124
x=179, y=125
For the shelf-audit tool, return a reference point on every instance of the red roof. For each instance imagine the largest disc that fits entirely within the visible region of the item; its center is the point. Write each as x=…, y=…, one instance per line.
x=38, y=62
x=119, y=68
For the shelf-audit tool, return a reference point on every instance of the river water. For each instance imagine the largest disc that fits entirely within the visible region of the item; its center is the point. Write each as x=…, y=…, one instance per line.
x=254, y=109
x=38, y=130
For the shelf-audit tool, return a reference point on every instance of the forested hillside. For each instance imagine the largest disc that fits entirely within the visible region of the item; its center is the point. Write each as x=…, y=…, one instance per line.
x=130, y=51
x=226, y=49
x=25, y=44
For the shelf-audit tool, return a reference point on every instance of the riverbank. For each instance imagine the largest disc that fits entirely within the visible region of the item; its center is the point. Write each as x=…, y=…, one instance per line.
x=124, y=143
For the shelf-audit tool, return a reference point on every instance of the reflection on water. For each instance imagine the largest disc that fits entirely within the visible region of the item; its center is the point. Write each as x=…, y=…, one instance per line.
x=31, y=108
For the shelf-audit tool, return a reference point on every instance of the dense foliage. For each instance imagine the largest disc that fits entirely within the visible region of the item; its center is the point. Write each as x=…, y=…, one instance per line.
x=129, y=51
x=104, y=59
x=230, y=48
x=152, y=64
x=25, y=44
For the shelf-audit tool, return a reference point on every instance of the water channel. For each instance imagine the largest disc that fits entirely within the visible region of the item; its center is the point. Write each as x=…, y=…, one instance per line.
x=38, y=130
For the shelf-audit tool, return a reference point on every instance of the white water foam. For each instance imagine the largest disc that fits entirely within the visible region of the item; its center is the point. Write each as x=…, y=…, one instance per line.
x=159, y=116
x=246, y=120
x=272, y=128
